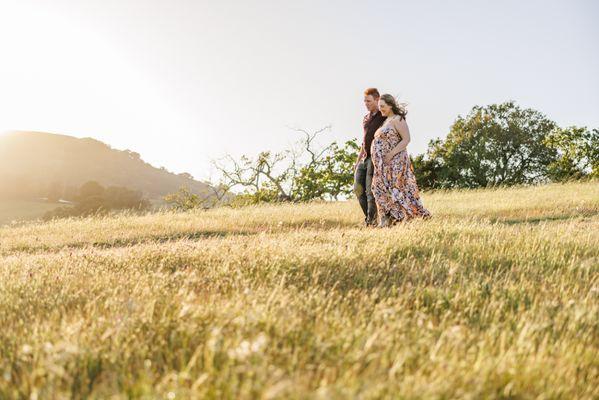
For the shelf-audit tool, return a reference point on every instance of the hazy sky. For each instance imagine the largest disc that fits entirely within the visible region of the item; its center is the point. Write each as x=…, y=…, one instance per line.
x=183, y=81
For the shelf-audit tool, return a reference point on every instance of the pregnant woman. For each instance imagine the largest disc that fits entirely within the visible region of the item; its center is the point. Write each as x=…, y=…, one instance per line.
x=393, y=182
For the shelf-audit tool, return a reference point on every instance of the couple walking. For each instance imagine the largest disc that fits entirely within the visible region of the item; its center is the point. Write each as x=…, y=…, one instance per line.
x=384, y=180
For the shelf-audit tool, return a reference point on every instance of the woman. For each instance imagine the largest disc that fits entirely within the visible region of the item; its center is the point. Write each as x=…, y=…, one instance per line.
x=393, y=183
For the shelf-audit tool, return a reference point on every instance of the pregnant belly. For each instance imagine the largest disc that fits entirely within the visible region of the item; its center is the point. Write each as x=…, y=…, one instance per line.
x=383, y=146
x=377, y=148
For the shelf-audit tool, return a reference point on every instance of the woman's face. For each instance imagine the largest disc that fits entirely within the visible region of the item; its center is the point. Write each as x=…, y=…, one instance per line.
x=385, y=108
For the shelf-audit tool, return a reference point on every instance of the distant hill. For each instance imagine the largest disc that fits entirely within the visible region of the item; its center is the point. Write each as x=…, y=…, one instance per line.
x=34, y=163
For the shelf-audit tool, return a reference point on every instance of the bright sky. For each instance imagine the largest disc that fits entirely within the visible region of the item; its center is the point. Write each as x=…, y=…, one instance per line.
x=183, y=82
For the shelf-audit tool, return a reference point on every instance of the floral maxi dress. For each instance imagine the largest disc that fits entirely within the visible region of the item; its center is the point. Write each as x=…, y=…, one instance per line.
x=394, y=185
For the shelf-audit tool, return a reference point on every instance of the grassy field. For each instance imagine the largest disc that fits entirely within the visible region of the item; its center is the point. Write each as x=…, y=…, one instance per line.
x=18, y=210
x=497, y=296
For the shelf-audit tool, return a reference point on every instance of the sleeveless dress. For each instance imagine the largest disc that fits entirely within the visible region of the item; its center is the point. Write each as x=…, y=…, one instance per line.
x=394, y=184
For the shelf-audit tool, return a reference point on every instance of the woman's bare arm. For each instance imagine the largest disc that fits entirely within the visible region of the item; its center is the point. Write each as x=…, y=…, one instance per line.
x=402, y=128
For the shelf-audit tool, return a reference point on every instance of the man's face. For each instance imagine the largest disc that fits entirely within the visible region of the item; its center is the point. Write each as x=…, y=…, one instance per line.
x=370, y=103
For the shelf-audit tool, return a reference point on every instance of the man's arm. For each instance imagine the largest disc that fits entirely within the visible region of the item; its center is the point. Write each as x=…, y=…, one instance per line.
x=362, y=152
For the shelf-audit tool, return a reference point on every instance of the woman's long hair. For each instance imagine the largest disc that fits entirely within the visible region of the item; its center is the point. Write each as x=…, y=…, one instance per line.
x=398, y=108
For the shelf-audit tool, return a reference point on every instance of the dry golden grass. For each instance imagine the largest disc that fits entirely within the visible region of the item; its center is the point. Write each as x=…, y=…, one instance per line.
x=497, y=296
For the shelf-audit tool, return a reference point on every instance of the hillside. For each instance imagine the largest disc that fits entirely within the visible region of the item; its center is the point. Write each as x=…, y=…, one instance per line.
x=495, y=297
x=21, y=210
x=30, y=162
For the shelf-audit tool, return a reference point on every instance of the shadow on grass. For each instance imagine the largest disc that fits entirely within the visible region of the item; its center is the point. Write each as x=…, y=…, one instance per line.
x=119, y=242
x=410, y=267
x=546, y=218
x=270, y=227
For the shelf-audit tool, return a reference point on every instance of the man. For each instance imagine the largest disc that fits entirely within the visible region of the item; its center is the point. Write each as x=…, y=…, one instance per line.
x=364, y=168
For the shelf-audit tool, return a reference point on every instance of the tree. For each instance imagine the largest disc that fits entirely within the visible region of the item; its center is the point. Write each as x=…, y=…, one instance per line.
x=132, y=154
x=90, y=199
x=577, y=153
x=90, y=189
x=303, y=172
x=93, y=198
x=431, y=168
x=184, y=199
x=186, y=175
x=261, y=178
x=500, y=144
x=329, y=177
x=121, y=198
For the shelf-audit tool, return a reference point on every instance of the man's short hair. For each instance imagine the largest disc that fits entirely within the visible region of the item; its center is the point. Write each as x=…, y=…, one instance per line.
x=372, y=92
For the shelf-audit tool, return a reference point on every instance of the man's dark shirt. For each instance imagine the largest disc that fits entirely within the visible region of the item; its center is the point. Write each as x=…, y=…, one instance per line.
x=371, y=123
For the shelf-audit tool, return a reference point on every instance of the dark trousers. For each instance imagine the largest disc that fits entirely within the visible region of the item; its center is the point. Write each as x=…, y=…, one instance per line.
x=363, y=189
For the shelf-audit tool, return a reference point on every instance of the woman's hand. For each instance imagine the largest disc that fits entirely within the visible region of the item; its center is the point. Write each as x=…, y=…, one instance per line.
x=389, y=156
x=402, y=128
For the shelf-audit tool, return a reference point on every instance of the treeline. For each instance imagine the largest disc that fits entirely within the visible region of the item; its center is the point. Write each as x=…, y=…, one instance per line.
x=93, y=198
x=303, y=172
x=495, y=145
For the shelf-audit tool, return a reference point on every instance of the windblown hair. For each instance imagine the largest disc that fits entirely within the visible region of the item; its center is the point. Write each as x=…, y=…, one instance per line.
x=398, y=108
